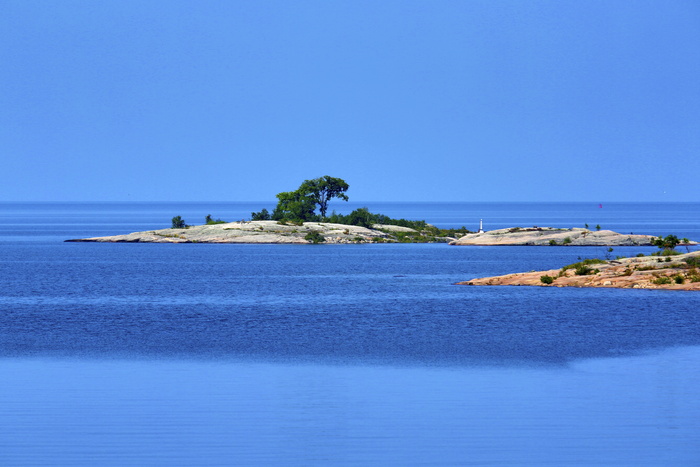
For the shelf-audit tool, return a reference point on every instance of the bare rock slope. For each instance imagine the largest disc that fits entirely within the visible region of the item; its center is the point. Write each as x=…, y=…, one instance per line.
x=552, y=236
x=254, y=232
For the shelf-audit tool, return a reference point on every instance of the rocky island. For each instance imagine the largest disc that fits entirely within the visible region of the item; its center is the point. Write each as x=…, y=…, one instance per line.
x=676, y=272
x=550, y=236
x=295, y=220
x=271, y=232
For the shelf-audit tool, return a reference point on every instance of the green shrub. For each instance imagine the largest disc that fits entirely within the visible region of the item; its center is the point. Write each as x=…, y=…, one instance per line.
x=552, y=242
x=178, y=223
x=461, y=232
x=209, y=221
x=678, y=279
x=314, y=237
x=546, y=279
x=662, y=280
x=263, y=215
x=290, y=221
x=364, y=218
x=566, y=241
x=585, y=262
x=693, y=261
x=582, y=270
x=640, y=255
x=666, y=252
x=666, y=243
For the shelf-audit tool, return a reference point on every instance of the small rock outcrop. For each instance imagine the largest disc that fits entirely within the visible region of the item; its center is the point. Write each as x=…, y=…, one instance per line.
x=547, y=236
x=678, y=272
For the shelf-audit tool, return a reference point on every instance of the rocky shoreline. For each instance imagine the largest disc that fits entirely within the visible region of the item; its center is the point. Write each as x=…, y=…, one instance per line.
x=678, y=272
x=550, y=236
x=298, y=233
x=261, y=232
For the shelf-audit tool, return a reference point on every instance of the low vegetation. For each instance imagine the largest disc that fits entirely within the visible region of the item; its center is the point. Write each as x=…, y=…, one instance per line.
x=585, y=262
x=685, y=271
x=210, y=221
x=661, y=280
x=314, y=237
x=547, y=279
x=666, y=252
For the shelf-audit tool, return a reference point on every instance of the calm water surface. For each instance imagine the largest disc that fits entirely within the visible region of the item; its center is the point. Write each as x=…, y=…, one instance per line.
x=138, y=354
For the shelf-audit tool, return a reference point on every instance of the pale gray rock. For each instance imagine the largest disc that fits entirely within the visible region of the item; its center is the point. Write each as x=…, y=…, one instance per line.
x=546, y=236
x=250, y=232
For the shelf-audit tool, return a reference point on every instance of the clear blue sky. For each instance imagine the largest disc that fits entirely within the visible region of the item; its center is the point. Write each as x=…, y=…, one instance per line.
x=405, y=100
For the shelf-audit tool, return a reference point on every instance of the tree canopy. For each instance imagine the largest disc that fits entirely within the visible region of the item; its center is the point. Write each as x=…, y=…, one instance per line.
x=667, y=243
x=322, y=190
x=294, y=205
x=178, y=222
x=301, y=203
x=262, y=215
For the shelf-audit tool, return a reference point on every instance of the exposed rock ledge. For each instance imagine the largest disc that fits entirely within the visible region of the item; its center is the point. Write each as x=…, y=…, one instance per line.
x=257, y=232
x=648, y=272
x=552, y=236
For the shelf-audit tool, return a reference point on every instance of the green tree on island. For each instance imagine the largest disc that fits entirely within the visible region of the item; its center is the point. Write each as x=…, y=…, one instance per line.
x=666, y=243
x=301, y=204
x=322, y=190
x=263, y=215
x=178, y=223
x=294, y=205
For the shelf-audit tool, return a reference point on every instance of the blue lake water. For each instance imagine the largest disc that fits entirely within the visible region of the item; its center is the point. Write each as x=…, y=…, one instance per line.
x=147, y=354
